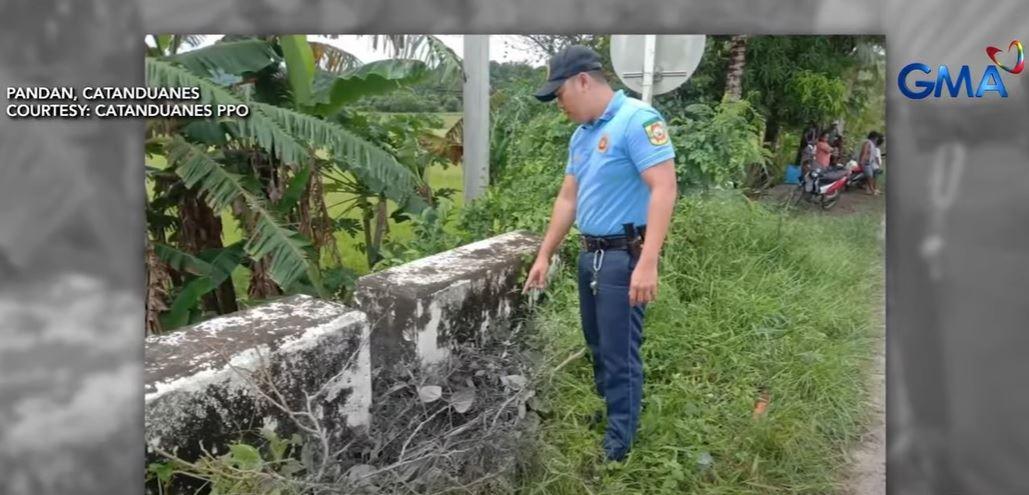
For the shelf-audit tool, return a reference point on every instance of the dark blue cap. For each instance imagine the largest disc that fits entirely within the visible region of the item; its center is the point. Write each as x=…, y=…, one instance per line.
x=565, y=64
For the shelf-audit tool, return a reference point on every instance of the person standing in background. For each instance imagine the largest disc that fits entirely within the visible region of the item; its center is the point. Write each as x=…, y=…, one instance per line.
x=823, y=151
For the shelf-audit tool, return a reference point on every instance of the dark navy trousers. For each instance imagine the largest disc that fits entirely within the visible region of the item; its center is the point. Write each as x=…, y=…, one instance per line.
x=614, y=333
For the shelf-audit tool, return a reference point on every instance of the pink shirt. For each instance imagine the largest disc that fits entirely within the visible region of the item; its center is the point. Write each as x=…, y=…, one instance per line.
x=822, y=153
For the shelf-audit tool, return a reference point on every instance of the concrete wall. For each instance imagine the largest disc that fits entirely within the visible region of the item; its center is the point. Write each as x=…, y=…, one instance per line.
x=465, y=295
x=198, y=383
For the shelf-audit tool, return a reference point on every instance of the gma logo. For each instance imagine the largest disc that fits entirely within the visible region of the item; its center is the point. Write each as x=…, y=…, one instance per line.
x=926, y=86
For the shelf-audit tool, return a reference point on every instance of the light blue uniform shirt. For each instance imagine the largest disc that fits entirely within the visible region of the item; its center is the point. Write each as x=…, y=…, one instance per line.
x=607, y=156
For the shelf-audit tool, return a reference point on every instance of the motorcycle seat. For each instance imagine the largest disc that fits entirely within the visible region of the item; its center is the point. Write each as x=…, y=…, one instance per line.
x=830, y=175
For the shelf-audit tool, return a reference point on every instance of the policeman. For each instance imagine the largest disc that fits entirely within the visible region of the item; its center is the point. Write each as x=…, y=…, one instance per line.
x=620, y=189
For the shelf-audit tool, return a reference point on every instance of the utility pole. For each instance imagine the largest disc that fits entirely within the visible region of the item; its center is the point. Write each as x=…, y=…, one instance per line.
x=649, y=50
x=476, y=116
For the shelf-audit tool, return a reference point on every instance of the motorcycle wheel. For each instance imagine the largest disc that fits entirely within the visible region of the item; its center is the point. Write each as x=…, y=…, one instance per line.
x=828, y=202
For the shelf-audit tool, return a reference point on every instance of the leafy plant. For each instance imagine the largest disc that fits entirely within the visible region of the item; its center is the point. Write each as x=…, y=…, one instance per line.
x=815, y=97
x=714, y=145
x=270, y=468
x=266, y=170
x=433, y=230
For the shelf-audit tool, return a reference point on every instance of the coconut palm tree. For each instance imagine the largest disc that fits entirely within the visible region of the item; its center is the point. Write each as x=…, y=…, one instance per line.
x=737, y=62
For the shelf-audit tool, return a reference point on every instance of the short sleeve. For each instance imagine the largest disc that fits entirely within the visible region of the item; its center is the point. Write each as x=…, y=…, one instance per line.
x=647, y=139
x=570, y=165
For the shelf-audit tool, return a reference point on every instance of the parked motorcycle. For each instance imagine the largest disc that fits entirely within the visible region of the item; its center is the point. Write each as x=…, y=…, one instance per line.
x=857, y=178
x=822, y=186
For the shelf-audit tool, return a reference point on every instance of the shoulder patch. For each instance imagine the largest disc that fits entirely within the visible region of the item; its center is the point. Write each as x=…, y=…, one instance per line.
x=656, y=132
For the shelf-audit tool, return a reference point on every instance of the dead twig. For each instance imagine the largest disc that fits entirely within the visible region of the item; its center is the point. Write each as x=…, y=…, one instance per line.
x=572, y=357
x=419, y=428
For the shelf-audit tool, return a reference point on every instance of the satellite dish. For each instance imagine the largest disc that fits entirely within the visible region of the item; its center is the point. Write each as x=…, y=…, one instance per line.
x=675, y=58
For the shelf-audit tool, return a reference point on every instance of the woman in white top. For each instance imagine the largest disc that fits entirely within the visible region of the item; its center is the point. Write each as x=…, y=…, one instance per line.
x=870, y=159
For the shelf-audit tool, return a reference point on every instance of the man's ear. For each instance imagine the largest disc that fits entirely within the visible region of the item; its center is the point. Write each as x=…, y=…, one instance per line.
x=584, y=80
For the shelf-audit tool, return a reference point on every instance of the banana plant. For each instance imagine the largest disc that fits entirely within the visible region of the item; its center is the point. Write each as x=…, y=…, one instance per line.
x=262, y=168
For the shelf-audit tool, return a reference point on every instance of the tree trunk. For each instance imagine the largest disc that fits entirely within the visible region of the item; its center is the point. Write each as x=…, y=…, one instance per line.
x=201, y=230
x=734, y=92
x=381, y=225
x=157, y=281
x=261, y=284
x=266, y=168
x=226, y=294
x=366, y=222
x=734, y=75
x=322, y=229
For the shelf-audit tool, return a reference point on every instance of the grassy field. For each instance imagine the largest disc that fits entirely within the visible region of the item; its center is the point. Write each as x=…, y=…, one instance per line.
x=748, y=301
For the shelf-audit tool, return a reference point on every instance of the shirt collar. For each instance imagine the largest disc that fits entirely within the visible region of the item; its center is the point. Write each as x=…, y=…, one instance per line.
x=612, y=108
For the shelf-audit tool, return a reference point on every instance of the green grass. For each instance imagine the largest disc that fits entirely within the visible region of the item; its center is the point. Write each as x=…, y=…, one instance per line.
x=745, y=302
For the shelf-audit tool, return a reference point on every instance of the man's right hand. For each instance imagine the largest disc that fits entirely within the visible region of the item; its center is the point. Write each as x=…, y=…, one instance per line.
x=537, y=278
x=560, y=221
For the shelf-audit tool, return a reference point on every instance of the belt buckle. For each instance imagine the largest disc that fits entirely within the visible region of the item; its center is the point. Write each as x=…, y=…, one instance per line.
x=594, y=243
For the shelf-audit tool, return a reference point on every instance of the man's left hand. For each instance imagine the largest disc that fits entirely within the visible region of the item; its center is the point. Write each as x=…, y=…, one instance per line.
x=643, y=285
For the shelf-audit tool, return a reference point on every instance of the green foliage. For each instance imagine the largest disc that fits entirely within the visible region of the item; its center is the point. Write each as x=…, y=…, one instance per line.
x=503, y=75
x=181, y=261
x=520, y=197
x=299, y=66
x=203, y=273
x=416, y=99
x=705, y=86
x=290, y=252
x=780, y=68
x=510, y=109
x=270, y=468
x=814, y=97
x=376, y=168
x=333, y=91
x=290, y=135
x=294, y=190
x=524, y=191
x=432, y=229
x=748, y=300
x=230, y=58
x=257, y=173
x=402, y=136
x=866, y=103
x=446, y=67
x=185, y=308
x=785, y=154
x=714, y=145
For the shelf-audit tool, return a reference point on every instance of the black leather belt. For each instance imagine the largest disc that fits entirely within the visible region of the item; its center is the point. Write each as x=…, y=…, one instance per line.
x=619, y=243
x=608, y=243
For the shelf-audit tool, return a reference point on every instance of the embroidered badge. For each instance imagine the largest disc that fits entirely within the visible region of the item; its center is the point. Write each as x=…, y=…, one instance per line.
x=656, y=131
x=602, y=145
